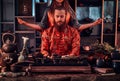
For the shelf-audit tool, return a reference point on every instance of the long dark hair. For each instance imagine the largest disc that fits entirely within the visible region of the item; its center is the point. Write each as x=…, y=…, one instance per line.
x=65, y=4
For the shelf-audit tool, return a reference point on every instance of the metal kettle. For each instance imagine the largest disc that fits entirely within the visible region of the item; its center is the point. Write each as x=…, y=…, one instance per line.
x=9, y=45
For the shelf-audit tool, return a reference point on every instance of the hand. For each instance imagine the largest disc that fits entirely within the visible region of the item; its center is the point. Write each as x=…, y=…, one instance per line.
x=98, y=21
x=46, y=56
x=20, y=21
x=71, y=55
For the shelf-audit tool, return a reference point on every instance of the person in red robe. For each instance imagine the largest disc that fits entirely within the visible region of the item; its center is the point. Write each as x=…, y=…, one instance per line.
x=60, y=39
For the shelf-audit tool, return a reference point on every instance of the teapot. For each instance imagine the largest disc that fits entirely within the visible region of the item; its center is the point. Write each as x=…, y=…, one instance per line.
x=100, y=62
x=9, y=45
x=9, y=50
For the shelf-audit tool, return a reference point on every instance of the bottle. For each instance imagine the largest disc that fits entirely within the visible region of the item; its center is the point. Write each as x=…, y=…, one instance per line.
x=21, y=58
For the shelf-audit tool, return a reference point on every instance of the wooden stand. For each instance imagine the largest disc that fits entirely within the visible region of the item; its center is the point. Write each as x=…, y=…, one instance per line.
x=60, y=69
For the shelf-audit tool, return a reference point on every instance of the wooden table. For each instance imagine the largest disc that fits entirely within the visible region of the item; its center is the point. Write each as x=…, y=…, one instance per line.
x=64, y=77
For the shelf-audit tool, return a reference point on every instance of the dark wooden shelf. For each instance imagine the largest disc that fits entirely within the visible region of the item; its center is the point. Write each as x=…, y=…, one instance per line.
x=6, y=22
x=25, y=16
x=25, y=31
x=89, y=3
x=108, y=34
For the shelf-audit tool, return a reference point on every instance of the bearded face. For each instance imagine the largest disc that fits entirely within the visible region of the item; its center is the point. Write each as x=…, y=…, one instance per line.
x=59, y=19
x=59, y=24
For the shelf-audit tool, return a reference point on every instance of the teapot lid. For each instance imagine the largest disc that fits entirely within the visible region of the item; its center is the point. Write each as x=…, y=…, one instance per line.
x=8, y=38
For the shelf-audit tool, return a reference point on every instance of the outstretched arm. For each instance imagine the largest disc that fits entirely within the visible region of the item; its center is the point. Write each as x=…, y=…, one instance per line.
x=85, y=26
x=34, y=26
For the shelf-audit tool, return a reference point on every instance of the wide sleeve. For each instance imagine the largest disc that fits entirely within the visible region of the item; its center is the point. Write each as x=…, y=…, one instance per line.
x=75, y=43
x=44, y=21
x=45, y=44
x=74, y=22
